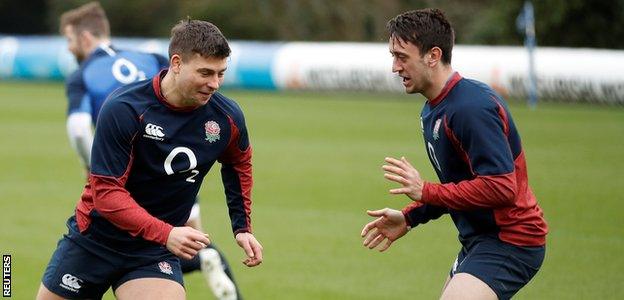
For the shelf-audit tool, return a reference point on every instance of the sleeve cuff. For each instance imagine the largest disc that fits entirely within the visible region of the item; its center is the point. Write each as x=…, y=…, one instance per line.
x=245, y=229
x=407, y=213
x=408, y=220
x=162, y=239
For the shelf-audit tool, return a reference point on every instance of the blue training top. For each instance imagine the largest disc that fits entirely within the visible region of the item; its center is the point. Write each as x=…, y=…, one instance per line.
x=105, y=70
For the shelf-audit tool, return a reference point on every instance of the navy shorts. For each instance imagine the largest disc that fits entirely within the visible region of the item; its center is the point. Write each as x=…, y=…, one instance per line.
x=504, y=267
x=75, y=272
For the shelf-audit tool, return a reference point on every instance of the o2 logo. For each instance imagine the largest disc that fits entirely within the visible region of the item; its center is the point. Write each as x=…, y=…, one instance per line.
x=126, y=72
x=192, y=162
x=432, y=156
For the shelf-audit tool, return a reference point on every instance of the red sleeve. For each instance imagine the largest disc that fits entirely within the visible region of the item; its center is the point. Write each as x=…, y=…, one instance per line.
x=481, y=192
x=115, y=204
x=236, y=174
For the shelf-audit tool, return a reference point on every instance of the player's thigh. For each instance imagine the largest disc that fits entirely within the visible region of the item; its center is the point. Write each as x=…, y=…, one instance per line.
x=150, y=288
x=465, y=286
x=45, y=294
x=165, y=275
x=503, y=267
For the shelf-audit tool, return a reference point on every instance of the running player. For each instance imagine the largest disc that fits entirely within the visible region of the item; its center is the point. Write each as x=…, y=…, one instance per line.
x=475, y=149
x=104, y=68
x=155, y=141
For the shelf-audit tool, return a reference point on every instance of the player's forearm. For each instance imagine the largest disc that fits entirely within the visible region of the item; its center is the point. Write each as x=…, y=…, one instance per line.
x=116, y=205
x=238, y=182
x=236, y=173
x=480, y=192
x=80, y=136
x=417, y=213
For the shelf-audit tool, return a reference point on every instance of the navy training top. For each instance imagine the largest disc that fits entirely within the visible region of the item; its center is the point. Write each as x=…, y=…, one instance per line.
x=149, y=160
x=475, y=149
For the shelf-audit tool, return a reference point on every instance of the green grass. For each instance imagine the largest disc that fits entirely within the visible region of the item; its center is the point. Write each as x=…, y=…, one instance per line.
x=317, y=166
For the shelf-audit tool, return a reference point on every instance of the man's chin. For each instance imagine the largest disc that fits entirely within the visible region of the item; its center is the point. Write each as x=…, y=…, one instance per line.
x=203, y=99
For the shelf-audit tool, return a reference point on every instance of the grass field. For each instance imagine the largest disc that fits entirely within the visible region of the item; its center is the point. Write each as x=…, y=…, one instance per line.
x=317, y=168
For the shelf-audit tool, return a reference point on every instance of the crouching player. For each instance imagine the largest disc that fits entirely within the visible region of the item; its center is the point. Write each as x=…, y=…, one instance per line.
x=103, y=69
x=155, y=140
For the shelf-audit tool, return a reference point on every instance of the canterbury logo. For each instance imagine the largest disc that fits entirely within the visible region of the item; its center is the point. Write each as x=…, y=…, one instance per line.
x=71, y=282
x=154, y=132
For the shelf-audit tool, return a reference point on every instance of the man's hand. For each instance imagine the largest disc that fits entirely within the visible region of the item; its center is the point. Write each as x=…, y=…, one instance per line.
x=252, y=248
x=390, y=226
x=402, y=172
x=185, y=242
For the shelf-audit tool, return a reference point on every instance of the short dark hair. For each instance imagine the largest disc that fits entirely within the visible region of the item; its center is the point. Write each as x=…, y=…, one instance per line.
x=89, y=17
x=194, y=36
x=425, y=28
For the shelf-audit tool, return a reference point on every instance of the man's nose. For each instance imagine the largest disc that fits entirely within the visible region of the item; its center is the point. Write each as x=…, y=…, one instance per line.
x=396, y=66
x=214, y=82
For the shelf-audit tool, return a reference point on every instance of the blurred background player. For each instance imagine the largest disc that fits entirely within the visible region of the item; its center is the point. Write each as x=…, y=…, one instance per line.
x=103, y=68
x=475, y=149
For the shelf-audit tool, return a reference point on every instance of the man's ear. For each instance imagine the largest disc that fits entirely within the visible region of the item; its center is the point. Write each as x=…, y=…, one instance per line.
x=434, y=56
x=174, y=63
x=86, y=36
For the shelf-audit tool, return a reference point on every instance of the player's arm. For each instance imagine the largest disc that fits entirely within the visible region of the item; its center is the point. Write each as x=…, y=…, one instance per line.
x=236, y=173
x=417, y=213
x=480, y=134
x=79, y=122
x=80, y=136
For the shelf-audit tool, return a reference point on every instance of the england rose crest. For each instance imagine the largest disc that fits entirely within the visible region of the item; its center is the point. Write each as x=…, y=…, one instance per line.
x=436, y=129
x=165, y=267
x=212, y=131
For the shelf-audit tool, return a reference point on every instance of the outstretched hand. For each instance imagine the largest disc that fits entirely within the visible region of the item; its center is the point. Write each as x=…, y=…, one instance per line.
x=252, y=248
x=390, y=225
x=402, y=172
x=185, y=242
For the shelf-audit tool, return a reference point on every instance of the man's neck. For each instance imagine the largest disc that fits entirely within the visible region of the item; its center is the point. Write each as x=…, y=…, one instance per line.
x=439, y=79
x=96, y=43
x=169, y=90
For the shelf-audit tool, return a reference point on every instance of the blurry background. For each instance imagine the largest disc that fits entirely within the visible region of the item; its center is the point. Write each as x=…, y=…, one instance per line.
x=318, y=154
x=563, y=23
